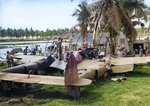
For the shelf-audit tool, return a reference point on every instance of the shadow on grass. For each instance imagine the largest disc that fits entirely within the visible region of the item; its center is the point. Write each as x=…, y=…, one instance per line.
x=43, y=92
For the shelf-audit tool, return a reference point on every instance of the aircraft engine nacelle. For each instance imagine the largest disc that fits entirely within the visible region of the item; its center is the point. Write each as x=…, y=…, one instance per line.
x=96, y=70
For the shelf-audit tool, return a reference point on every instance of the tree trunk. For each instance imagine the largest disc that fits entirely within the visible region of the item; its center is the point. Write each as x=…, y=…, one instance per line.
x=112, y=39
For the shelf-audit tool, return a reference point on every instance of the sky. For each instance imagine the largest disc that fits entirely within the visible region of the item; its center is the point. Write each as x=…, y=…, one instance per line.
x=39, y=14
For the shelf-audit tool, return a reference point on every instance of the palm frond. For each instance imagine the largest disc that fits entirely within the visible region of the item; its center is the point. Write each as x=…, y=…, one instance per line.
x=94, y=6
x=113, y=17
x=136, y=6
x=76, y=13
x=127, y=27
x=134, y=23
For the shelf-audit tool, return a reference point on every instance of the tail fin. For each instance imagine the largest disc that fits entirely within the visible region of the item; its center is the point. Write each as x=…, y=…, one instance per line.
x=71, y=71
x=72, y=81
x=71, y=74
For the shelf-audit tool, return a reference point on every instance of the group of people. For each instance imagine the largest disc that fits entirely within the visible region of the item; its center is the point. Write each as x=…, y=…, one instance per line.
x=10, y=59
x=33, y=50
x=121, y=52
x=61, y=50
x=141, y=51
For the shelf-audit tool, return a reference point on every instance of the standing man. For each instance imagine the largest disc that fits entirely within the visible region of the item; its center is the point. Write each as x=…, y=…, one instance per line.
x=8, y=59
x=146, y=52
x=55, y=43
x=12, y=56
x=59, y=48
x=140, y=51
x=66, y=49
x=40, y=50
x=25, y=51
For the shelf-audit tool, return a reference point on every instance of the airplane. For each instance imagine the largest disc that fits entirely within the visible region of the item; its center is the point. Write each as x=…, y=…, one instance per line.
x=95, y=68
x=71, y=80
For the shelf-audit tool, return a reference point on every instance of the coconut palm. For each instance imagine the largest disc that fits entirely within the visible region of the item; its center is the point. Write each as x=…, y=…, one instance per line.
x=136, y=10
x=115, y=14
x=82, y=15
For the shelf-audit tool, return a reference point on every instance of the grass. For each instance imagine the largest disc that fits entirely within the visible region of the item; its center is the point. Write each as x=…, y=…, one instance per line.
x=102, y=92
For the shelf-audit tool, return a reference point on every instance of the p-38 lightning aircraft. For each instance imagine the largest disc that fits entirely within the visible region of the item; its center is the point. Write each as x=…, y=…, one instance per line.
x=71, y=80
x=96, y=68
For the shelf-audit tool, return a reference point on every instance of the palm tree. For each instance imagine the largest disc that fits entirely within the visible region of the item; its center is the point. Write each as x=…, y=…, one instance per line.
x=82, y=15
x=115, y=14
x=137, y=10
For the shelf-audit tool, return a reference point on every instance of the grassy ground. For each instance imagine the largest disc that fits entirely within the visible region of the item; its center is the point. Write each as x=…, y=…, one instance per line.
x=135, y=91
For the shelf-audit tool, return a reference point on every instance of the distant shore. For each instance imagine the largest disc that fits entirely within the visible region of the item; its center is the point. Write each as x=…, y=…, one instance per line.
x=18, y=40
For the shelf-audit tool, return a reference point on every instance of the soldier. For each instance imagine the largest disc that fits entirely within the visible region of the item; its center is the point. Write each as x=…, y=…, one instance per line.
x=59, y=48
x=66, y=49
x=140, y=51
x=39, y=50
x=25, y=50
x=8, y=59
x=12, y=56
x=146, y=52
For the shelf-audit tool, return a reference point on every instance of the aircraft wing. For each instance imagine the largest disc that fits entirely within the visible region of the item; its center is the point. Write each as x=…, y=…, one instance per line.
x=122, y=68
x=129, y=60
x=70, y=74
x=86, y=63
x=59, y=64
x=81, y=65
x=126, y=64
x=41, y=79
x=28, y=58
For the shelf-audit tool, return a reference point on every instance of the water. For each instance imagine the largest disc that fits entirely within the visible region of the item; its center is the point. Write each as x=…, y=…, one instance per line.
x=23, y=44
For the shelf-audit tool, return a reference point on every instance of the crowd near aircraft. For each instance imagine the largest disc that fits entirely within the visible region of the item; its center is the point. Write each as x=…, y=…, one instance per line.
x=76, y=74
